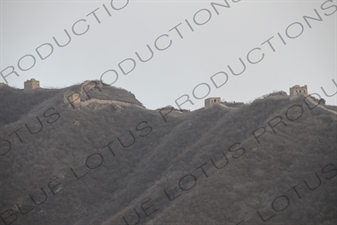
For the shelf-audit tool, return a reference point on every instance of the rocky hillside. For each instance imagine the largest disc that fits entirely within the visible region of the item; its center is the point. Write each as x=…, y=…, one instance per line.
x=107, y=160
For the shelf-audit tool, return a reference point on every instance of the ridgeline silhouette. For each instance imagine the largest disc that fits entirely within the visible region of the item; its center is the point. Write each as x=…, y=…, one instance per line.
x=108, y=160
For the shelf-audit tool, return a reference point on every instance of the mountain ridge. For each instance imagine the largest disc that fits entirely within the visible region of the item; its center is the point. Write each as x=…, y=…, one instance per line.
x=107, y=165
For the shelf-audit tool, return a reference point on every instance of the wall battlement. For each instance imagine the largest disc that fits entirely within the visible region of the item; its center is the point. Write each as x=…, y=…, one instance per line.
x=293, y=91
x=217, y=100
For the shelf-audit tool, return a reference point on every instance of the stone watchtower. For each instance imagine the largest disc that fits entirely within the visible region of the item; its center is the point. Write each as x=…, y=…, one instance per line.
x=3, y=85
x=211, y=101
x=297, y=90
x=31, y=84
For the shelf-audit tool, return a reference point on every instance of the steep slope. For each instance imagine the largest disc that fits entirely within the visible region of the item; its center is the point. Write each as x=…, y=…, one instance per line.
x=202, y=187
x=260, y=184
x=54, y=142
x=111, y=161
x=16, y=102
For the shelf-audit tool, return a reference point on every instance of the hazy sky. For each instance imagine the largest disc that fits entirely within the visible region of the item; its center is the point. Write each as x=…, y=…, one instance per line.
x=195, y=40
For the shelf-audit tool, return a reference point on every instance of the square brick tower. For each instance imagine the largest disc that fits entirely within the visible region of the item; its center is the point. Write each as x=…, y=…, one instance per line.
x=211, y=101
x=297, y=90
x=31, y=84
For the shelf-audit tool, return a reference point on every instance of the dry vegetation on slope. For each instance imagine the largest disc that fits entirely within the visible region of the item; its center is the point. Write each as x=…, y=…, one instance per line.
x=119, y=163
